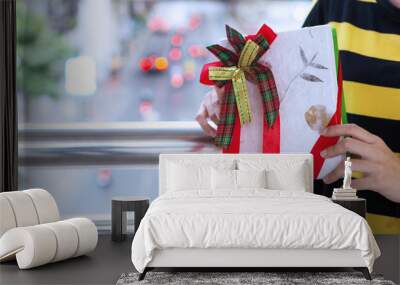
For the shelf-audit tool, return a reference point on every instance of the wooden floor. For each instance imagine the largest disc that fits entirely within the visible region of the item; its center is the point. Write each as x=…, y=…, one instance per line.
x=102, y=266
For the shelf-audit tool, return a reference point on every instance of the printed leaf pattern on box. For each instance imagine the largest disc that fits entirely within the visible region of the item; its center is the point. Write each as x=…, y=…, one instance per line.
x=310, y=77
x=307, y=76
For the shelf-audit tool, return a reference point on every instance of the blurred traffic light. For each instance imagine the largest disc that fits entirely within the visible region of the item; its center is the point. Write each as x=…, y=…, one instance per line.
x=175, y=54
x=177, y=40
x=161, y=63
x=156, y=63
x=145, y=64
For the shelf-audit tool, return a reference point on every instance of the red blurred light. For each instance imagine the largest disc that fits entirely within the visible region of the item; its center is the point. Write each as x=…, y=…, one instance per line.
x=105, y=173
x=158, y=24
x=194, y=22
x=193, y=50
x=175, y=54
x=196, y=51
x=176, y=40
x=104, y=178
x=177, y=80
x=146, y=64
x=145, y=106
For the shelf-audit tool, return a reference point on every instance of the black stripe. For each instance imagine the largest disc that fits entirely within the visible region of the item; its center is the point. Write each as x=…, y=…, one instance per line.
x=368, y=16
x=388, y=130
x=392, y=11
x=368, y=70
x=377, y=204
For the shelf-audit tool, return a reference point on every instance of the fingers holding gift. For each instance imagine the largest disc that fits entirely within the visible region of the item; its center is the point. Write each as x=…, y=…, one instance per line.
x=215, y=119
x=212, y=105
x=360, y=165
x=220, y=91
x=365, y=183
x=350, y=130
x=207, y=128
x=348, y=145
x=336, y=174
x=202, y=119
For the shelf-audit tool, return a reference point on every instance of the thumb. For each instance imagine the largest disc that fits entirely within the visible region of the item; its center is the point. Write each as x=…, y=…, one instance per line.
x=220, y=92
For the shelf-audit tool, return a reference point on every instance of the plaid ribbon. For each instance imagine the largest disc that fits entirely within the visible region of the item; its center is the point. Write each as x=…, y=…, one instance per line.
x=254, y=72
x=237, y=75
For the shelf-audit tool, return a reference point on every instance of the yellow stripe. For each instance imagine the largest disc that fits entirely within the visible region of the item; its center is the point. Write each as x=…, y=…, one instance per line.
x=373, y=101
x=368, y=43
x=383, y=224
x=367, y=1
x=357, y=174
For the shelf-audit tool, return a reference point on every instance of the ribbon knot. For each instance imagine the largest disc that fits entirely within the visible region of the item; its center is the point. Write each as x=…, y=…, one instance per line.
x=237, y=75
x=237, y=67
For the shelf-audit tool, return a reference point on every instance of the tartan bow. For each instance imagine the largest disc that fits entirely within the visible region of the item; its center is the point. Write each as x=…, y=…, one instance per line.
x=237, y=67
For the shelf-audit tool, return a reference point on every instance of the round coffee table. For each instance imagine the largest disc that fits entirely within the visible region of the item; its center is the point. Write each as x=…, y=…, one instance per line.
x=119, y=207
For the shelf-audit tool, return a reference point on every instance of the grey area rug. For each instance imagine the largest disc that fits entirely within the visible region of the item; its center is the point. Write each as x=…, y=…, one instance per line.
x=268, y=278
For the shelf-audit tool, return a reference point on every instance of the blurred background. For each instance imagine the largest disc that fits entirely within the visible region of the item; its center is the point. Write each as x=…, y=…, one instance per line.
x=104, y=86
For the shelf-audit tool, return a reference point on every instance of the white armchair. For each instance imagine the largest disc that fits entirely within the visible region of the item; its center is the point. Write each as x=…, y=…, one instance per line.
x=31, y=230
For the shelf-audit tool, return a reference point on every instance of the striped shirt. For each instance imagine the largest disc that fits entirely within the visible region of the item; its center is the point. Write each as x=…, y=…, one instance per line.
x=368, y=33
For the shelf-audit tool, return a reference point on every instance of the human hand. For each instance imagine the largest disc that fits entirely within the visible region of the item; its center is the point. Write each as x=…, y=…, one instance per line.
x=209, y=110
x=379, y=165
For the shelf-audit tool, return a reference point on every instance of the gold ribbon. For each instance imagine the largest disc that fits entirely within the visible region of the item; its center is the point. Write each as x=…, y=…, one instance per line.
x=237, y=75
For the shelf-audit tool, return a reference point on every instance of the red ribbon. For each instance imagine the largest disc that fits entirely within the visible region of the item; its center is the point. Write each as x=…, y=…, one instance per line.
x=324, y=142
